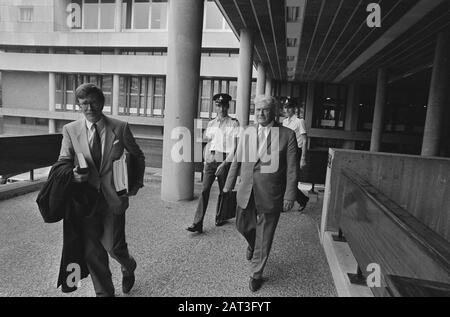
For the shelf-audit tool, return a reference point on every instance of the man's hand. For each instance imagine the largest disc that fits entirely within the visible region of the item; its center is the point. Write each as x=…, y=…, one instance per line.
x=221, y=169
x=302, y=162
x=80, y=178
x=226, y=190
x=287, y=205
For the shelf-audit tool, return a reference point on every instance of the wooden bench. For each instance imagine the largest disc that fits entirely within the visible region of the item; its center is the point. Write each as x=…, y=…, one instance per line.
x=412, y=257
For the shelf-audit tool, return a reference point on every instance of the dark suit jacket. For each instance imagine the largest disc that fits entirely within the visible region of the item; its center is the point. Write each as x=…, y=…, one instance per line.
x=272, y=177
x=117, y=138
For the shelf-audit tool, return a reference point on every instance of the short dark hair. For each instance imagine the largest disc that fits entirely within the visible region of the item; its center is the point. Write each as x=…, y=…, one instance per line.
x=89, y=89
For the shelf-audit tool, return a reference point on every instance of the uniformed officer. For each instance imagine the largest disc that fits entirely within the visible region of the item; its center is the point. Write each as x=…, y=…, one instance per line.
x=222, y=134
x=298, y=125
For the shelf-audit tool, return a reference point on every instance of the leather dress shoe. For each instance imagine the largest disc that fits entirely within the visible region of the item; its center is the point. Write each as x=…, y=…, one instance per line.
x=220, y=223
x=196, y=227
x=128, y=279
x=255, y=284
x=249, y=254
x=303, y=206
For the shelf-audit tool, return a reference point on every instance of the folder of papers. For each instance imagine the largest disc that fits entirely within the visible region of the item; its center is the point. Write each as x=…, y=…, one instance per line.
x=120, y=174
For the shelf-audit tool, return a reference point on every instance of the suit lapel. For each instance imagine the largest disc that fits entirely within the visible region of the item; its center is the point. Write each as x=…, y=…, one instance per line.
x=109, y=139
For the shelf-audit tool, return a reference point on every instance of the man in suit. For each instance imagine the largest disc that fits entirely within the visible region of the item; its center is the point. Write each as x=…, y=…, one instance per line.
x=268, y=183
x=102, y=141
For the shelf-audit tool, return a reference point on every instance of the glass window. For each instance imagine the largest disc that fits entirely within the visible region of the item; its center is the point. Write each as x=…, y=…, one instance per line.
x=141, y=14
x=142, y=99
x=90, y=14
x=159, y=14
x=122, y=94
x=77, y=21
x=59, y=78
x=41, y=121
x=134, y=95
x=26, y=14
x=126, y=13
x=70, y=92
x=329, y=108
x=232, y=91
x=205, y=99
x=213, y=17
x=158, y=98
x=107, y=91
x=107, y=13
x=149, y=96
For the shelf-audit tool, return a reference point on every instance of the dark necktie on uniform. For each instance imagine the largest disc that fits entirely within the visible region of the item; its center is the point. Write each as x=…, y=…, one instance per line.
x=97, y=148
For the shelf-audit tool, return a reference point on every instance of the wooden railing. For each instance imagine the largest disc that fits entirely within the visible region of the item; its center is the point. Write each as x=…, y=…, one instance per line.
x=413, y=259
x=420, y=185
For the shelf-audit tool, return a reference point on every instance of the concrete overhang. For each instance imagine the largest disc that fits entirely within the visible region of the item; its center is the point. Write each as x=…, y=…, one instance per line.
x=334, y=40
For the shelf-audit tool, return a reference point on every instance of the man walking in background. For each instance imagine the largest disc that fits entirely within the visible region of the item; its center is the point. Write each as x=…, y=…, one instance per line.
x=298, y=126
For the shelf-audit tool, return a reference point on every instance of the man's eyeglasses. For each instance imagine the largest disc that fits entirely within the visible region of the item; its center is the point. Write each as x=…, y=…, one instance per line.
x=92, y=105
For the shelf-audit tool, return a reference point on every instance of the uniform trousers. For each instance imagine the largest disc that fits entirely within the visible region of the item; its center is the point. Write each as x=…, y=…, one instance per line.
x=209, y=176
x=302, y=199
x=259, y=230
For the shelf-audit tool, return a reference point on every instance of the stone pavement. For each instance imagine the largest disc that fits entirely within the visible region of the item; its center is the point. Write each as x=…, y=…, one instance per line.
x=171, y=261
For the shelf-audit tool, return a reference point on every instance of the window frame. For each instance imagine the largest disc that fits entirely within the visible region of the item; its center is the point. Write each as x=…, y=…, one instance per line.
x=19, y=14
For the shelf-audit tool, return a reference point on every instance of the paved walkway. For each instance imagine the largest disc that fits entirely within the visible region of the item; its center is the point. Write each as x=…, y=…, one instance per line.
x=171, y=261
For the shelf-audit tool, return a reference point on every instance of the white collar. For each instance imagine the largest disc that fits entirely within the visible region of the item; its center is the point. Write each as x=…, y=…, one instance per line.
x=267, y=127
x=292, y=118
x=100, y=124
x=223, y=119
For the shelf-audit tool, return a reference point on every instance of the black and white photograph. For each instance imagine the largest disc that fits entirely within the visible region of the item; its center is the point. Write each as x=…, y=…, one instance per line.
x=224, y=154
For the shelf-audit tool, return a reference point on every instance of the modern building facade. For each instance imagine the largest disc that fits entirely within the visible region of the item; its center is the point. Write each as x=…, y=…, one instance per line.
x=49, y=47
x=327, y=58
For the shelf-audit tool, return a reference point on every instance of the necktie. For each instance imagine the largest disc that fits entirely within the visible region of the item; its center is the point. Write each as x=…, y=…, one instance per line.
x=97, y=148
x=261, y=139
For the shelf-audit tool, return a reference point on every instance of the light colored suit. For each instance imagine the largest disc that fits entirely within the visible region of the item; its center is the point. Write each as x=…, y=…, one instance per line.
x=270, y=189
x=104, y=228
x=260, y=193
x=117, y=138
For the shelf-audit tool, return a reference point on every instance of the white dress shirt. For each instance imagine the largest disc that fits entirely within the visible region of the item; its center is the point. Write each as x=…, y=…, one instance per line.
x=222, y=133
x=298, y=125
x=263, y=133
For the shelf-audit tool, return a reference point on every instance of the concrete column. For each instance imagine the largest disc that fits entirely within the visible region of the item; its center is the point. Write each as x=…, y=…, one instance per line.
x=182, y=85
x=310, y=105
x=380, y=102
x=115, y=91
x=51, y=98
x=268, y=89
x=440, y=83
x=118, y=17
x=351, y=114
x=261, y=80
x=244, y=82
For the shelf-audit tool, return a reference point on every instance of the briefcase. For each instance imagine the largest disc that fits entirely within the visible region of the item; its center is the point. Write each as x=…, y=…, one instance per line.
x=227, y=207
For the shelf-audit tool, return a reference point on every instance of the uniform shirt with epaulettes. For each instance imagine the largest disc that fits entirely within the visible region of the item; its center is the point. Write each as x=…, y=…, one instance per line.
x=222, y=133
